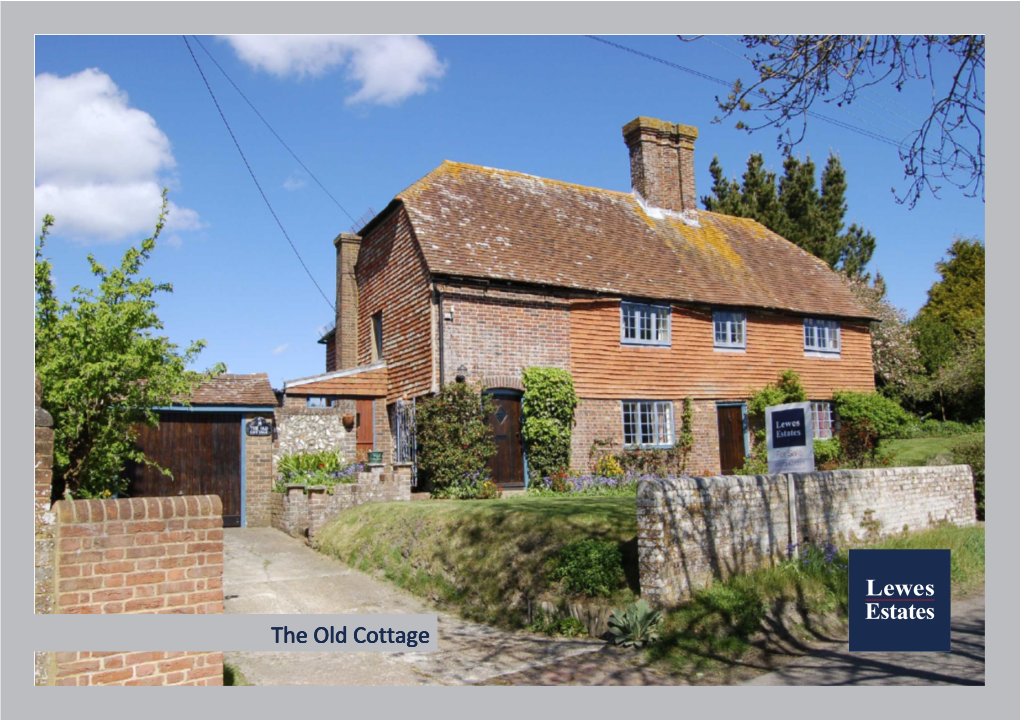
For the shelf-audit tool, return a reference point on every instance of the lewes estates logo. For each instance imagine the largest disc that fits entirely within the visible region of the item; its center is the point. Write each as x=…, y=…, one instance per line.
x=899, y=600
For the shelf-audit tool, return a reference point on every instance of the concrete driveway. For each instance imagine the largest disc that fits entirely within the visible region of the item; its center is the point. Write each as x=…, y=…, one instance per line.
x=266, y=571
x=836, y=665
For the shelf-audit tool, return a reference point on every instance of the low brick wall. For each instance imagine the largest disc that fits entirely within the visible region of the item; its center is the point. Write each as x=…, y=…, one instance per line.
x=140, y=555
x=303, y=511
x=692, y=530
x=138, y=668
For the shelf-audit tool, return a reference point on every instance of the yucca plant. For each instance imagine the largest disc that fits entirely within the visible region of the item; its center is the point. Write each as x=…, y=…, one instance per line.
x=636, y=626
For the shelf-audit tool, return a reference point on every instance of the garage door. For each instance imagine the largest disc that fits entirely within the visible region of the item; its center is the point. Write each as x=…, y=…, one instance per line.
x=202, y=451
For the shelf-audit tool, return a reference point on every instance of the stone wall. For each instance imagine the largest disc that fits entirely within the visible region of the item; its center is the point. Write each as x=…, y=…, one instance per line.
x=692, y=530
x=303, y=511
x=304, y=429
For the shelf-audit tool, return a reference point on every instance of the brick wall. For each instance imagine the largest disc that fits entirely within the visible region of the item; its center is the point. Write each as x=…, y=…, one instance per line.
x=662, y=162
x=692, y=530
x=258, y=475
x=138, y=668
x=142, y=555
x=302, y=512
x=345, y=339
x=498, y=333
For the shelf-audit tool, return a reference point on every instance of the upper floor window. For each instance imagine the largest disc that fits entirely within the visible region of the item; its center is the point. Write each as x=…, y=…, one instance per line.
x=377, y=336
x=821, y=336
x=822, y=422
x=648, y=423
x=730, y=329
x=644, y=324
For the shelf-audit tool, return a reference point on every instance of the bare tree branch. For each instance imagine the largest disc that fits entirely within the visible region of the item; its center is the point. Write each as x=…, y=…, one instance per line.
x=793, y=72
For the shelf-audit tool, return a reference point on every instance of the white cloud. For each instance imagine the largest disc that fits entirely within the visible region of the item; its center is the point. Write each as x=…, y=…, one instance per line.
x=98, y=161
x=281, y=348
x=389, y=68
x=294, y=183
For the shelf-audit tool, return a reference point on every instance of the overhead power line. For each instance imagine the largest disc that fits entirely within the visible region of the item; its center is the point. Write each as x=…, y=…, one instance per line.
x=720, y=81
x=252, y=173
x=275, y=134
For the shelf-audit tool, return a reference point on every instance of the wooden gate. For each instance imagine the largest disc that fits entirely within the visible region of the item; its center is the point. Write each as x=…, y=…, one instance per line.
x=203, y=452
x=507, y=465
x=731, y=437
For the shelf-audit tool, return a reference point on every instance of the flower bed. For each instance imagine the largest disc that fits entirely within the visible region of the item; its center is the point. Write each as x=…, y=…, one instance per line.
x=561, y=483
x=324, y=468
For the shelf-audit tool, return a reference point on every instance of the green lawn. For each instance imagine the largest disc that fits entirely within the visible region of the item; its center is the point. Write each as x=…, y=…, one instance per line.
x=917, y=451
x=483, y=558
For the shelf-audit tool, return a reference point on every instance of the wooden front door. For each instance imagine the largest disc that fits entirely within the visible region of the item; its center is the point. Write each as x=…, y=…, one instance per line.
x=507, y=465
x=366, y=428
x=731, y=437
x=203, y=453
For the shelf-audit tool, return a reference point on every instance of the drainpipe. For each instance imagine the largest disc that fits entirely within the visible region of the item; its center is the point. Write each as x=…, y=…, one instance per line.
x=442, y=332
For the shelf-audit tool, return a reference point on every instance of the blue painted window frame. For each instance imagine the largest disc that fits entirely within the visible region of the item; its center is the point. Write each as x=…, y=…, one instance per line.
x=822, y=336
x=636, y=318
x=642, y=409
x=725, y=320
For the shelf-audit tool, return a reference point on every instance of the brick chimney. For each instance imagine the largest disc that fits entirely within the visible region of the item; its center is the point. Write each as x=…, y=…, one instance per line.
x=662, y=163
x=346, y=336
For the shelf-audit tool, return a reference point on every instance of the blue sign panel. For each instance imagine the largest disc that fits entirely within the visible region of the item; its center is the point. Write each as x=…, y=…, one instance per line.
x=899, y=600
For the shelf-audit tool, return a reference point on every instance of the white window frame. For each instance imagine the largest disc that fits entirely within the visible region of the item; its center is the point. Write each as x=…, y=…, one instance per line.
x=727, y=319
x=319, y=402
x=820, y=408
x=656, y=319
x=822, y=338
x=645, y=416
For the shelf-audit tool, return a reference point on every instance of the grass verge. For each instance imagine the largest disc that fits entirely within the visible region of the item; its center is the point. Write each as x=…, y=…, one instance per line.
x=484, y=559
x=916, y=451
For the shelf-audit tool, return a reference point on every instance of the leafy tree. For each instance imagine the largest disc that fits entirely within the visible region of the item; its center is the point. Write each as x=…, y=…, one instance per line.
x=794, y=72
x=103, y=368
x=958, y=299
x=794, y=207
x=894, y=345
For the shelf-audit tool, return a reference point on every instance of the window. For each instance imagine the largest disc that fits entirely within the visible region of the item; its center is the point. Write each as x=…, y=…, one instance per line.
x=730, y=329
x=644, y=324
x=320, y=401
x=822, y=425
x=377, y=336
x=648, y=424
x=821, y=336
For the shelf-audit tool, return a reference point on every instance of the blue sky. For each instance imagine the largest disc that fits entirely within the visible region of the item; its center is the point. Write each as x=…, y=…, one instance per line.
x=120, y=117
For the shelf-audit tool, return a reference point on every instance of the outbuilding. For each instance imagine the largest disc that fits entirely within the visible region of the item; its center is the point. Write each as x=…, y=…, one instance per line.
x=220, y=443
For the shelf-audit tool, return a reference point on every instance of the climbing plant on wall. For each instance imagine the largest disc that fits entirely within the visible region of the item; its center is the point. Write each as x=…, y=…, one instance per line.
x=548, y=408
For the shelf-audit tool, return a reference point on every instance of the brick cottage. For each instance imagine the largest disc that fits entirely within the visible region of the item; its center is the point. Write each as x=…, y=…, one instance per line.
x=473, y=274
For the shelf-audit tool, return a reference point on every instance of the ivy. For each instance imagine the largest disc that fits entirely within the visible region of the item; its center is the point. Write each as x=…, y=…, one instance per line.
x=548, y=408
x=455, y=441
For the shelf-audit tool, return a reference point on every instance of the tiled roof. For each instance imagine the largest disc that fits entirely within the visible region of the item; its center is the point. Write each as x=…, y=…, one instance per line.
x=480, y=222
x=230, y=389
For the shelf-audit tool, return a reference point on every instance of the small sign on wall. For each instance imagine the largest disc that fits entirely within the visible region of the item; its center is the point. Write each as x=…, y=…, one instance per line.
x=258, y=427
x=789, y=436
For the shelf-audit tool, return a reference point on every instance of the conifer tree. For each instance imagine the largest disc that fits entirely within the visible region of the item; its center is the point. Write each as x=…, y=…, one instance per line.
x=796, y=208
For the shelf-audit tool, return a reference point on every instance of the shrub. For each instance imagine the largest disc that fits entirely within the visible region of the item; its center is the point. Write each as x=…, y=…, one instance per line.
x=548, y=407
x=467, y=487
x=973, y=453
x=590, y=567
x=827, y=453
x=608, y=467
x=454, y=438
x=489, y=491
x=636, y=626
x=885, y=417
x=566, y=626
x=917, y=428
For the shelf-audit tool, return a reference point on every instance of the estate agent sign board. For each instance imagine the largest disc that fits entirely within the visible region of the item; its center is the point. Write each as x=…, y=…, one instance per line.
x=788, y=432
